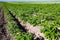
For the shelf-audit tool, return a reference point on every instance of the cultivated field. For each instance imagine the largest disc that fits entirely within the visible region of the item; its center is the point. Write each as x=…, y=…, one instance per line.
x=45, y=15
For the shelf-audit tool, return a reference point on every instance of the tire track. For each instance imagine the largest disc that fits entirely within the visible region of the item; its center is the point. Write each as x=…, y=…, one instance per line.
x=3, y=31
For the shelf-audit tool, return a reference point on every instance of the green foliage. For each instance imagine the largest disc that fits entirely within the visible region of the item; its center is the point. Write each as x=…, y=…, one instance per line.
x=14, y=30
x=47, y=15
x=50, y=30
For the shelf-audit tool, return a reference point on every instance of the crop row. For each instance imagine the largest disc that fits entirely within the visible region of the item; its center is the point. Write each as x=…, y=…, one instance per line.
x=47, y=15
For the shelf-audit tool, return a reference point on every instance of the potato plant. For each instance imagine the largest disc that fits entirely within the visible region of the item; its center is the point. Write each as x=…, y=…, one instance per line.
x=47, y=15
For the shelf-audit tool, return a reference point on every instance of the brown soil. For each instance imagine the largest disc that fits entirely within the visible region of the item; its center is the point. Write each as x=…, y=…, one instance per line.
x=3, y=30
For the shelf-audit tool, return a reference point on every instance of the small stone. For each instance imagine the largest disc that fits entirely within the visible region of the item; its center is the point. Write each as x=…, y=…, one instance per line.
x=58, y=28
